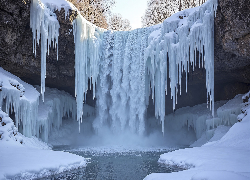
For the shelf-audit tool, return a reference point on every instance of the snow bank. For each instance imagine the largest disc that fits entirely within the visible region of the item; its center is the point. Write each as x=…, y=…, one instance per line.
x=9, y=133
x=30, y=158
x=226, y=158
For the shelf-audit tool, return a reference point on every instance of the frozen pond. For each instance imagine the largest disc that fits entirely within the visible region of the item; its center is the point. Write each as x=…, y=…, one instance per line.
x=112, y=164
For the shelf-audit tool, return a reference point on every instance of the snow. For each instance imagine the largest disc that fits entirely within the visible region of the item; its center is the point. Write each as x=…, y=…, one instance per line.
x=225, y=158
x=30, y=158
x=58, y=5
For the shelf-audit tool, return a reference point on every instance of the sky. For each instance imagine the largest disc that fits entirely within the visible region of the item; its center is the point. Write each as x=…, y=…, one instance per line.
x=132, y=10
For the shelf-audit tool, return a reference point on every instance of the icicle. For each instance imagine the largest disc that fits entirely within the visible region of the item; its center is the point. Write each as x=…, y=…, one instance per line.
x=43, y=23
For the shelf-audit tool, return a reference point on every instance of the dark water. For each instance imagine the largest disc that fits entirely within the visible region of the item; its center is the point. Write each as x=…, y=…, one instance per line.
x=128, y=165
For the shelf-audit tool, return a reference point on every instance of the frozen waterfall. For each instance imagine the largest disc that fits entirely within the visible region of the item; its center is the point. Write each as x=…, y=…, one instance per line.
x=126, y=67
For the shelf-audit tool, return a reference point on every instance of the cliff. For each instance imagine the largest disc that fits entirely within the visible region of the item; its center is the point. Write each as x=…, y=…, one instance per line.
x=232, y=47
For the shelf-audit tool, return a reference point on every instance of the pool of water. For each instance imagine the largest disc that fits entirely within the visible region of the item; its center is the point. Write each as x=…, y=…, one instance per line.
x=116, y=165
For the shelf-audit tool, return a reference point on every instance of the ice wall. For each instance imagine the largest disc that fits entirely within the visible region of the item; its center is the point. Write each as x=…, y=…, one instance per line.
x=22, y=99
x=179, y=39
x=126, y=67
x=199, y=118
x=33, y=117
x=57, y=104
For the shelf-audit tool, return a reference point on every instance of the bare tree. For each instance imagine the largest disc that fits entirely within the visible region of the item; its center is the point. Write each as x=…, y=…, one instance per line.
x=117, y=23
x=95, y=11
x=159, y=10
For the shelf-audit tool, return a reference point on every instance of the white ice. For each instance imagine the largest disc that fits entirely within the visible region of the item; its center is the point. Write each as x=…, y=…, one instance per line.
x=57, y=104
x=22, y=99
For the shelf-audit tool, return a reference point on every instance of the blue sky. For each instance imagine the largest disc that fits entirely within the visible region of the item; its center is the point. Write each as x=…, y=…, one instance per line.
x=132, y=10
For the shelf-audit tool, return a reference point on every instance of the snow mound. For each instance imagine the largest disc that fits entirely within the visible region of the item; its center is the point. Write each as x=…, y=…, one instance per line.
x=8, y=131
x=30, y=158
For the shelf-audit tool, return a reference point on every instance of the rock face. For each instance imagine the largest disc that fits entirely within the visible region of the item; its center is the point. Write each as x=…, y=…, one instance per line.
x=16, y=53
x=232, y=41
x=232, y=47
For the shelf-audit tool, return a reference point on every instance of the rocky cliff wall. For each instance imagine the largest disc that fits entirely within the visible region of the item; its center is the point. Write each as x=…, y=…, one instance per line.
x=232, y=52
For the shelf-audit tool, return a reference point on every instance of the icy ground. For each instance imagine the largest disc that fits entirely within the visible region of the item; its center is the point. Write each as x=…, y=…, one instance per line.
x=227, y=158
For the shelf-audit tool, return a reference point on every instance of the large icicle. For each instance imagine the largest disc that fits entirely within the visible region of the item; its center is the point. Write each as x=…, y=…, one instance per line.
x=43, y=23
x=87, y=39
x=190, y=29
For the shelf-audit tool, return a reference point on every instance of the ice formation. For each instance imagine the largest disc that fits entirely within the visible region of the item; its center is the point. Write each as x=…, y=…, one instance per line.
x=200, y=119
x=34, y=118
x=44, y=25
x=22, y=99
x=126, y=67
x=58, y=104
